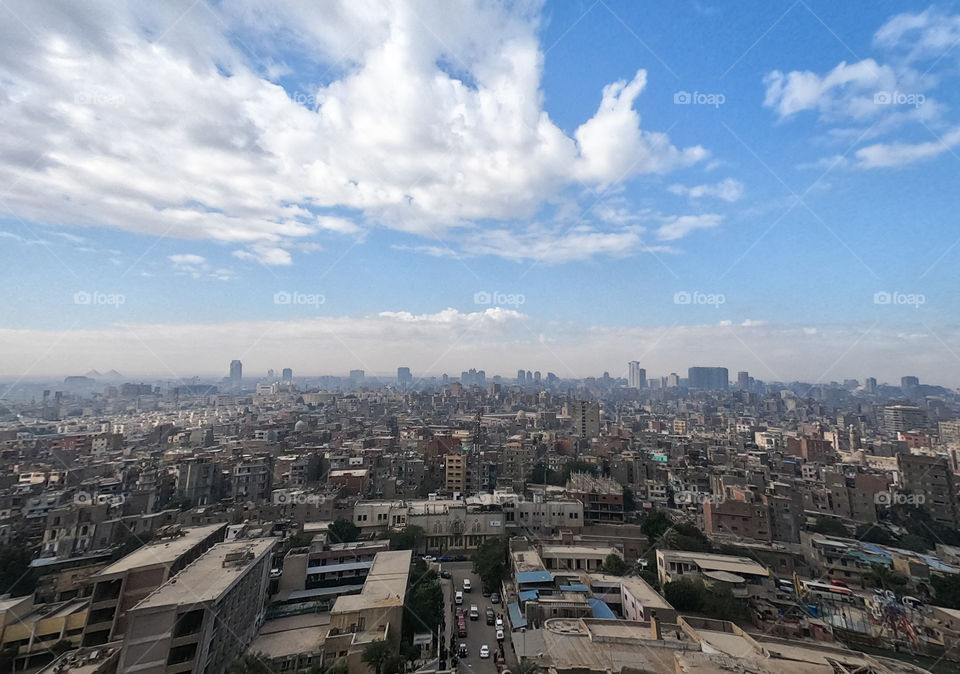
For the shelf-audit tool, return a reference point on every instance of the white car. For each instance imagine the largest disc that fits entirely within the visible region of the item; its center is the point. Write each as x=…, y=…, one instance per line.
x=458, y=598
x=499, y=635
x=499, y=624
x=484, y=651
x=429, y=558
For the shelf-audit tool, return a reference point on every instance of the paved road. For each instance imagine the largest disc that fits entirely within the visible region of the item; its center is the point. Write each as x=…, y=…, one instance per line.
x=478, y=632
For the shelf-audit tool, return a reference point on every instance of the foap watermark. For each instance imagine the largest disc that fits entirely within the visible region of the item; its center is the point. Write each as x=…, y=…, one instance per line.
x=915, y=99
x=699, y=98
x=297, y=298
x=897, y=298
x=97, y=298
x=99, y=98
x=697, y=297
x=498, y=299
x=698, y=498
x=286, y=498
x=891, y=498
x=85, y=498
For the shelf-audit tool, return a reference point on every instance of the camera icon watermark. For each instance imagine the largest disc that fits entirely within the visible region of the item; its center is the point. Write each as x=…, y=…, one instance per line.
x=296, y=298
x=897, y=298
x=915, y=99
x=892, y=498
x=696, y=297
x=698, y=498
x=95, y=298
x=699, y=98
x=498, y=299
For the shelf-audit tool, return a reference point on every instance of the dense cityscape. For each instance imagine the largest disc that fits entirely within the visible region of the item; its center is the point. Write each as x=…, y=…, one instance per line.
x=293, y=524
x=479, y=337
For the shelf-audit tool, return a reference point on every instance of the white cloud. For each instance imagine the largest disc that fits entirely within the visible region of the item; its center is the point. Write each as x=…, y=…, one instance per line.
x=887, y=155
x=729, y=190
x=197, y=266
x=928, y=34
x=678, y=226
x=433, y=119
x=188, y=260
x=554, y=245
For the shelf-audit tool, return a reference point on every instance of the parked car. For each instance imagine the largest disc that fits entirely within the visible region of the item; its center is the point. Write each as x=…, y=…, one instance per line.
x=466, y=585
x=474, y=612
x=444, y=558
x=460, y=558
x=491, y=616
x=428, y=558
x=446, y=574
x=463, y=650
x=458, y=597
x=499, y=623
x=484, y=651
x=499, y=635
x=484, y=591
x=494, y=598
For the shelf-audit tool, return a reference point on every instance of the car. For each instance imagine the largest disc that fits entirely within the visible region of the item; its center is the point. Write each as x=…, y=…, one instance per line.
x=463, y=650
x=458, y=597
x=460, y=558
x=499, y=623
x=446, y=574
x=428, y=558
x=484, y=591
x=839, y=583
x=474, y=612
x=444, y=558
x=495, y=598
x=912, y=602
x=484, y=651
x=491, y=617
x=467, y=587
x=499, y=635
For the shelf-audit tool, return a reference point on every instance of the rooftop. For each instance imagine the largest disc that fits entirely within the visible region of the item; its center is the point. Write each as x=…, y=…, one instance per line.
x=385, y=585
x=639, y=588
x=710, y=562
x=292, y=635
x=161, y=552
x=208, y=577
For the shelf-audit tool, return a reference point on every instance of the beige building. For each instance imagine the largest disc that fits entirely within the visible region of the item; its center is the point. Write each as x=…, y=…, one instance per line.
x=33, y=629
x=123, y=584
x=205, y=617
x=376, y=614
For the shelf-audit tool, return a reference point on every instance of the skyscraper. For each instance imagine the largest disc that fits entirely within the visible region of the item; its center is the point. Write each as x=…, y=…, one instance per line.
x=743, y=380
x=870, y=384
x=236, y=371
x=287, y=374
x=708, y=378
x=637, y=377
x=404, y=378
x=909, y=385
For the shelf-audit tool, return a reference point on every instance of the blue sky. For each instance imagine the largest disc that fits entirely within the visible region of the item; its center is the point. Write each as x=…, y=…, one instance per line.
x=195, y=160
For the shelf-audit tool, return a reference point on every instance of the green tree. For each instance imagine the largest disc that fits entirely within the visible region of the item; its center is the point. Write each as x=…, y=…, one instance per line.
x=872, y=533
x=946, y=589
x=685, y=594
x=250, y=663
x=16, y=575
x=409, y=538
x=527, y=666
x=614, y=565
x=376, y=654
x=343, y=531
x=828, y=526
x=719, y=603
x=490, y=561
x=301, y=540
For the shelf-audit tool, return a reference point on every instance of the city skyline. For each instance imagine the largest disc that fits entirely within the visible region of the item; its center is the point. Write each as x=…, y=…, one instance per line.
x=778, y=197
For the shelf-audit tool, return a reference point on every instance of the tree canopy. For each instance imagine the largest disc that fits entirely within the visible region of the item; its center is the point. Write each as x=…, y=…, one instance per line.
x=490, y=561
x=343, y=531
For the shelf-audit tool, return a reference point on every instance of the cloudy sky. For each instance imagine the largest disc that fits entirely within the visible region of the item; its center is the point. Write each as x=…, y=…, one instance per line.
x=563, y=186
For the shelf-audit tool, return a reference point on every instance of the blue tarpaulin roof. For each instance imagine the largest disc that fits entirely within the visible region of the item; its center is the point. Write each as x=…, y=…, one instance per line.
x=575, y=587
x=600, y=609
x=534, y=577
x=528, y=595
x=516, y=618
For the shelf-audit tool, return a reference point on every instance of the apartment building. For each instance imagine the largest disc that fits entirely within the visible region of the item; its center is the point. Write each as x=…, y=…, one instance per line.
x=575, y=557
x=932, y=478
x=602, y=498
x=122, y=585
x=375, y=614
x=458, y=477
x=205, y=617
x=28, y=630
x=326, y=571
x=744, y=577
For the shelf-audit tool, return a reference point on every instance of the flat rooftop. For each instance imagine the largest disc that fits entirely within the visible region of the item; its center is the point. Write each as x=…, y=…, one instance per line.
x=288, y=636
x=575, y=550
x=710, y=562
x=207, y=577
x=639, y=588
x=385, y=585
x=160, y=553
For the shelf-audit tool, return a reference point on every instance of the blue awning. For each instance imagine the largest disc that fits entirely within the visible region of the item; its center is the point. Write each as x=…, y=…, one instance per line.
x=526, y=577
x=575, y=587
x=600, y=609
x=529, y=595
x=516, y=618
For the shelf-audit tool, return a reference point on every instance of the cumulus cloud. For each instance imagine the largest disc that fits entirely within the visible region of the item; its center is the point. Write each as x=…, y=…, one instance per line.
x=430, y=117
x=678, y=226
x=729, y=190
x=888, y=155
x=932, y=33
